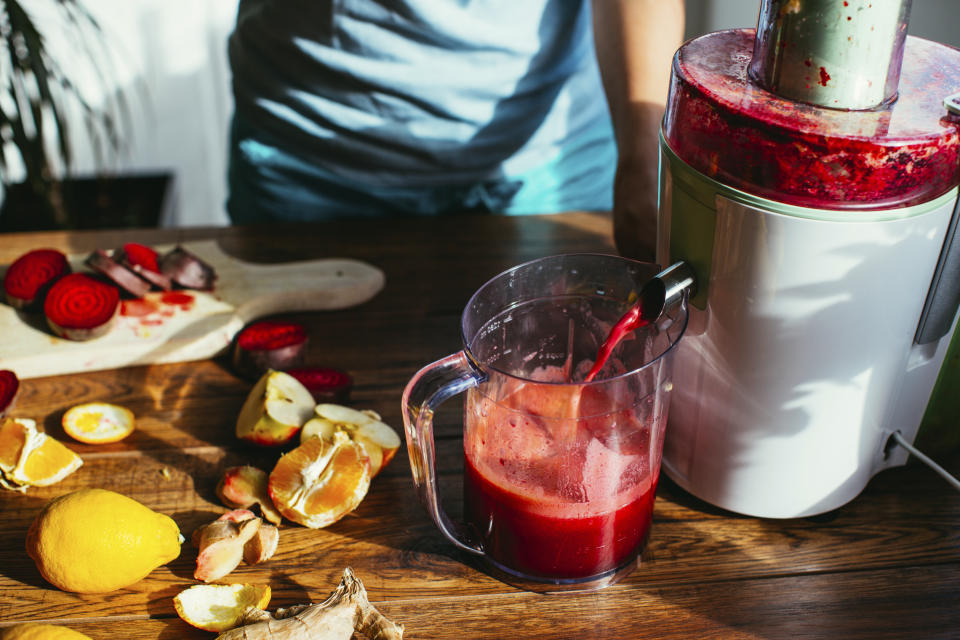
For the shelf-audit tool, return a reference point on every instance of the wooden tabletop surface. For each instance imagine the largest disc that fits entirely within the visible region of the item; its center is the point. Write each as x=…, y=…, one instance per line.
x=886, y=565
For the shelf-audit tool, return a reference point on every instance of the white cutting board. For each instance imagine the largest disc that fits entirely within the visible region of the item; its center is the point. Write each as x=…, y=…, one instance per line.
x=202, y=324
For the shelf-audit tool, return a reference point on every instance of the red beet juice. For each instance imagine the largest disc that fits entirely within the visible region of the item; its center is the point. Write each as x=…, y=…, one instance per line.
x=557, y=484
x=536, y=544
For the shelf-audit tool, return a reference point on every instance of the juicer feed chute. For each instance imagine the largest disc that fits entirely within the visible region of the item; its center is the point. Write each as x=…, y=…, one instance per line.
x=842, y=55
x=816, y=210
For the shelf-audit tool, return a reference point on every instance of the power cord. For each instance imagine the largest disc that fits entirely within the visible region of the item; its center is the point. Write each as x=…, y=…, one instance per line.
x=926, y=460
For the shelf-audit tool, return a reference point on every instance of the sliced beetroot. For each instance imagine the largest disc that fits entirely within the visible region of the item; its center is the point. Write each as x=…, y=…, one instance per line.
x=142, y=256
x=9, y=385
x=187, y=270
x=31, y=275
x=119, y=274
x=81, y=307
x=269, y=344
x=324, y=384
x=143, y=261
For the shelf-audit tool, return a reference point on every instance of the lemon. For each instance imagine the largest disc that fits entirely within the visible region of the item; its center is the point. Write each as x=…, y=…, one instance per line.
x=37, y=631
x=94, y=541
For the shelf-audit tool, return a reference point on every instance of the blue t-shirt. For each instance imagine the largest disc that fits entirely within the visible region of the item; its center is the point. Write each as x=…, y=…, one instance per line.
x=425, y=94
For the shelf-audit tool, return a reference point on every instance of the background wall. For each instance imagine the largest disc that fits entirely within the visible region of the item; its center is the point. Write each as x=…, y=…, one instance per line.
x=171, y=65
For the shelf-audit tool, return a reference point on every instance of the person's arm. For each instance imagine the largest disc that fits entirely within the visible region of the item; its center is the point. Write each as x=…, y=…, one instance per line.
x=635, y=43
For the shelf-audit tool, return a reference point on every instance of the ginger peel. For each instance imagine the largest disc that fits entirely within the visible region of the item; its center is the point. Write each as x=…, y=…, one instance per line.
x=336, y=618
x=234, y=536
x=262, y=545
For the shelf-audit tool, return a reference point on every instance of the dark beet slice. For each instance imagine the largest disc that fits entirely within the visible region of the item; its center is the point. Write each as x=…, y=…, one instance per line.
x=269, y=344
x=81, y=307
x=123, y=277
x=144, y=262
x=31, y=275
x=9, y=385
x=187, y=270
x=324, y=384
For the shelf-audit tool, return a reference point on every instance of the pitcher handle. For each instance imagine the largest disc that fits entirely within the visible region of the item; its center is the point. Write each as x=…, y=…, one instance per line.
x=427, y=390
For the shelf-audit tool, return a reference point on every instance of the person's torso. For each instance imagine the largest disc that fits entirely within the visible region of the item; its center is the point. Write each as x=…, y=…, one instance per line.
x=418, y=90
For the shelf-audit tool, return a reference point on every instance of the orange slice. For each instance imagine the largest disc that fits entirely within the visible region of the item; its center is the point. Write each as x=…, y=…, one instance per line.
x=320, y=481
x=13, y=438
x=98, y=422
x=31, y=458
x=218, y=607
x=48, y=464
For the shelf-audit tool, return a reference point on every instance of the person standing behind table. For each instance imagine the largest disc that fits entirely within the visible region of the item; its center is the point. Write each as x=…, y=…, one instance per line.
x=431, y=107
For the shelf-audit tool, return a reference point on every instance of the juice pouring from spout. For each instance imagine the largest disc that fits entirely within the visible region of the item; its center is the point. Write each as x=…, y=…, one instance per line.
x=661, y=291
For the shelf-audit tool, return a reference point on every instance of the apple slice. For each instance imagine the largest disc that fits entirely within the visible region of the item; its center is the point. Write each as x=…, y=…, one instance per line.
x=378, y=440
x=244, y=486
x=278, y=405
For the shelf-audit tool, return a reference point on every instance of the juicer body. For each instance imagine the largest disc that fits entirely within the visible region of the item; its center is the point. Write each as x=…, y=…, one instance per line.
x=799, y=359
x=823, y=239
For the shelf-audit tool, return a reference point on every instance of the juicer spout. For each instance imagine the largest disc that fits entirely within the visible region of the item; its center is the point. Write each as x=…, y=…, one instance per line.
x=666, y=289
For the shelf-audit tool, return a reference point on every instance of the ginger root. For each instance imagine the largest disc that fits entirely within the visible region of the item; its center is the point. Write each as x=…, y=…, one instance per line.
x=336, y=618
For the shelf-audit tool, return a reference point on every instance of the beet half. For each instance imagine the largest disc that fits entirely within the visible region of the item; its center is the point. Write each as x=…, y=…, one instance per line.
x=119, y=274
x=30, y=276
x=269, y=344
x=324, y=384
x=81, y=307
x=9, y=385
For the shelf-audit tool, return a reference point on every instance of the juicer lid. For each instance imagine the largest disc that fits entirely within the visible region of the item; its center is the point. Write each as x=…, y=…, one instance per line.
x=724, y=125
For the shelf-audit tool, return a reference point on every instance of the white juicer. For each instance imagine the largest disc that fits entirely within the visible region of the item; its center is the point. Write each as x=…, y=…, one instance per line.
x=809, y=176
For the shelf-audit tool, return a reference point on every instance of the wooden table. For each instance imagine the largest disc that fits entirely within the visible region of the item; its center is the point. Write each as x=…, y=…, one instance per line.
x=887, y=565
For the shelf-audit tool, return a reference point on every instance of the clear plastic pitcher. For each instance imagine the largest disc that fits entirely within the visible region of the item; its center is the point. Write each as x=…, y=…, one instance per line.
x=560, y=475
